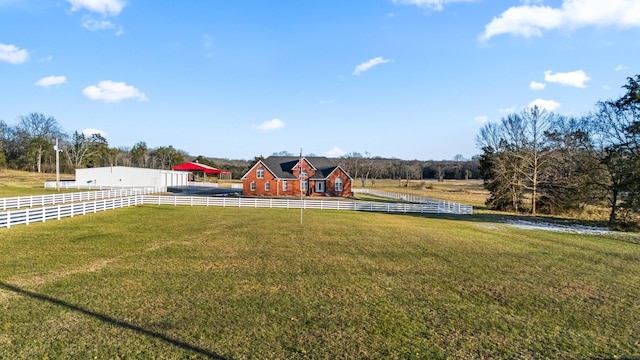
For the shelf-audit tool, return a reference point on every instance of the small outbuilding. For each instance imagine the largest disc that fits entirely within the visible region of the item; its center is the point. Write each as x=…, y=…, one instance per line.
x=205, y=170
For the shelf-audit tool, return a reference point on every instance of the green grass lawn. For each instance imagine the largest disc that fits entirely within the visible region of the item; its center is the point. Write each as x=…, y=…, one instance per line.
x=22, y=183
x=189, y=282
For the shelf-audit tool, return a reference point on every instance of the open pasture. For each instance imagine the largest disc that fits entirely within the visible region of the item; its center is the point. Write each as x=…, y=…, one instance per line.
x=182, y=282
x=23, y=183
x=469, y=192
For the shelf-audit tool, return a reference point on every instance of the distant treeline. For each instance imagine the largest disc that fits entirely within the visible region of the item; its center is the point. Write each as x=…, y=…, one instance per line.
x=30, y=145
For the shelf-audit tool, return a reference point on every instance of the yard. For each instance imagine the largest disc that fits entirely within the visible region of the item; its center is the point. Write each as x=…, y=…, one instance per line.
x=189, y=282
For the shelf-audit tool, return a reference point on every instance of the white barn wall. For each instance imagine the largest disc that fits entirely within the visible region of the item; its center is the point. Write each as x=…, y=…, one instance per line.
x=130, y=177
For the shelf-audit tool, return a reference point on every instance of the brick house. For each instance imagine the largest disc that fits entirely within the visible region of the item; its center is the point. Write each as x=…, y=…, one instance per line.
x=278, y=176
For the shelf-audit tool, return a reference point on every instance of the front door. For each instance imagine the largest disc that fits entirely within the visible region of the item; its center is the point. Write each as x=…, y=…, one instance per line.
x=319, y=186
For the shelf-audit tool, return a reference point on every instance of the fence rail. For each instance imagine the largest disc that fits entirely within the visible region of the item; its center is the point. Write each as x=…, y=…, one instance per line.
x=454, y=207
x=42, y=214
x=72, y=204
x=52, y=199
x=72, y=185
x=424, y=208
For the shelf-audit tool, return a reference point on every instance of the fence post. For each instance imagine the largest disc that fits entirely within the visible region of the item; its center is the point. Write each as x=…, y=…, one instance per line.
x=28, y=215
x=8, y=219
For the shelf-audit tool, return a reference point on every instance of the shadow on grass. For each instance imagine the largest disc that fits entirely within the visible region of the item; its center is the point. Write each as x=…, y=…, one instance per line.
x=109, y=320
x=507, y=217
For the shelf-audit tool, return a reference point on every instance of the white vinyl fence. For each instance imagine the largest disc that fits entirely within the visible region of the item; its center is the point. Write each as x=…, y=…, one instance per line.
x=51, y=199
x=72, y=185
x=425, y=208
x=56, y=212
x=455, y=208
x=213, y=185
x=81, y=207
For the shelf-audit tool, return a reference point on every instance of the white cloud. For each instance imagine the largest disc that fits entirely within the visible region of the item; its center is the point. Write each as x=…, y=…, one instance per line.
x=207, y=41
x=549, y=105
x=110, y=91
x=335, y=152
x=94, y=25
x=429, y=4
x=271, y=125
x=51, y=80
x=537, y=86
x=510, y=110
x=531, y=20
x=482, y=119
x=91, y=131
x=574, y=78
x=103, y=7
x=12, y=54
x=369, y=64
x=208, y=45
x=620, y=68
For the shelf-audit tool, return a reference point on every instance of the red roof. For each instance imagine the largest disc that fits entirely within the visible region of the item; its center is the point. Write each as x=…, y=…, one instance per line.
x=194, y=166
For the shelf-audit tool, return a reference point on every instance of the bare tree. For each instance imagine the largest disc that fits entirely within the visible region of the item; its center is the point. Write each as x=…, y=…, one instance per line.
x=37, y=133
x=536, y=123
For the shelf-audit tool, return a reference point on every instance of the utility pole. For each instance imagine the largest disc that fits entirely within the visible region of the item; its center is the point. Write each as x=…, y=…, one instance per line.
x=57, y=150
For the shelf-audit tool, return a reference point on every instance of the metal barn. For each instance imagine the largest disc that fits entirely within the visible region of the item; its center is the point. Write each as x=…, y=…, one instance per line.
x=130, y=177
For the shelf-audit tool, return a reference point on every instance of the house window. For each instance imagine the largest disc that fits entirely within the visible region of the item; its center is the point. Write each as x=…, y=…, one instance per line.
x=284, y=185
x=260, y=173
x=253, y=186
x=338, y=184
x=303, y=173
x=319, y=186
x=304, y=185
x=267, y=186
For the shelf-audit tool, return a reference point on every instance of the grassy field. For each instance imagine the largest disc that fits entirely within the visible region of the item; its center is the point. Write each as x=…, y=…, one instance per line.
x=188, y=282
x=22, y=183
x=469, y=192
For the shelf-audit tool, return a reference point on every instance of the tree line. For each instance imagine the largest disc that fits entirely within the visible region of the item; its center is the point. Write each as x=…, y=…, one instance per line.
x=537, y=161
x=367, y=169
x=29, y=145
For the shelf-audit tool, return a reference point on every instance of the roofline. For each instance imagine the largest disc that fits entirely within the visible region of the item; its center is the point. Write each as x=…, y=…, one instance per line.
x=344, y=172
x=256, y=164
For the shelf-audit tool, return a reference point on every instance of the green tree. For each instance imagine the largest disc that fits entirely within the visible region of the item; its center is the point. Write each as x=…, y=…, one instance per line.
x=140, y=154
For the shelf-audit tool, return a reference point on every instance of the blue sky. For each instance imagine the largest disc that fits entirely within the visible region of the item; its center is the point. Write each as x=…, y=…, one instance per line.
x=411, y=79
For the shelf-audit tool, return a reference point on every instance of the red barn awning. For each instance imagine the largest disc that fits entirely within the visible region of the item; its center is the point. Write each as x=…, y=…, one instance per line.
x=194, y=166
